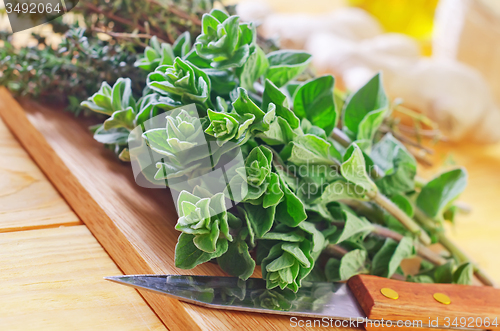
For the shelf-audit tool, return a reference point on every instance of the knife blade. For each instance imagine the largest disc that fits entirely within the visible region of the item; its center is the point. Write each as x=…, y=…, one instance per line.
x=314, y=299
x=330, y=300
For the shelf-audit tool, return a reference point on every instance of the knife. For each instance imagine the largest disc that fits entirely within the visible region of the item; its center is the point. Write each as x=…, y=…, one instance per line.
x=364, y=300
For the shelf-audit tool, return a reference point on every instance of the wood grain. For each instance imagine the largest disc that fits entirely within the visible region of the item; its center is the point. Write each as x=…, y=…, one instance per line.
x=27, y=199
x=134, y=225
x=416, y=302
x=51, y=279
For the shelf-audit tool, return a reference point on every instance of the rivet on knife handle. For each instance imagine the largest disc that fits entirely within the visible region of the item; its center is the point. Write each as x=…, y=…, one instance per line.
x=442, y=298
x=389, y=293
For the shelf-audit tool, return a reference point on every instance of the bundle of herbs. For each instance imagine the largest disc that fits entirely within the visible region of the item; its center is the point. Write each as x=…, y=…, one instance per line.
x=68, y=73
x=322, y=192
x=73, y=70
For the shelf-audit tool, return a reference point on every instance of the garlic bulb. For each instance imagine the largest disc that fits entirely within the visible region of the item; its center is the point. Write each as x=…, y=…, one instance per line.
x=454, y=95
x=335, y=54
x=253, y=11
x=294, y=30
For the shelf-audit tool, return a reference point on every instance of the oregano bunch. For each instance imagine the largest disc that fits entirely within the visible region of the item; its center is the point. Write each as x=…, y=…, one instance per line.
x=302, y=203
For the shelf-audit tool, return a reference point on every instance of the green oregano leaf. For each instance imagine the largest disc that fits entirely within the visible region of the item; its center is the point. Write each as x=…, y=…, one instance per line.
x=310, y=149
x=250, y=226
x=354, y=170
x=287, y=264
x=370, y=102
x=437, y=195
x=398, y=165
x=291, y=210
x=255, y=67
x=349, y=265
x=188, y=256
x=243, y=105
x=272, y=94
x=207, y=242
x=339, y=190
x=464, y=274
x=294, y=236
x=403, y=203
x=237, y=260
x=112, y=136
x=444, y=273
x=314, y=100
x=274, y=193
x=352, y=264
x=285, y=65
x=121, y=118
x=353, y=226
x=260, y=218
x=370, y=124
x=389, y=257
x=422, y=279
x=318, y=241
x=182, y=44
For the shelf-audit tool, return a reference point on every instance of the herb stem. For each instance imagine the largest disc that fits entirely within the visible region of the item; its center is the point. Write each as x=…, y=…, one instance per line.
x=401, y=216
x=365, y=209
x=124, y=21
x=340, y=137
x=419, y=156
x=424, y=220
x=129, y=36
x=420, y=182
x=455, y=251
x=462, y=257
x=335, y=251
x=405, y=139
x=416, y=116
x=178, y=12
x=434, y=134
x=113, y=17
x=422, y=250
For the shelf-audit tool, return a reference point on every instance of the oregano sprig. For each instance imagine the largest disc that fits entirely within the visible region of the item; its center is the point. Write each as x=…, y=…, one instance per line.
x=293, y=172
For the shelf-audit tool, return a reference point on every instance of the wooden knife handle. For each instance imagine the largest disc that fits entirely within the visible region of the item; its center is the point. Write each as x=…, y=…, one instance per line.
x=473, y=306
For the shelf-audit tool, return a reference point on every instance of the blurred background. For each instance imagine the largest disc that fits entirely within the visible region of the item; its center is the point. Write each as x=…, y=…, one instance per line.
x=441, y=58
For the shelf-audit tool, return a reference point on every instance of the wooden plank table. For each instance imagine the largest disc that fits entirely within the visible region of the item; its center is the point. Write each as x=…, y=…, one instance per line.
x=27, y=199
x=51, y=265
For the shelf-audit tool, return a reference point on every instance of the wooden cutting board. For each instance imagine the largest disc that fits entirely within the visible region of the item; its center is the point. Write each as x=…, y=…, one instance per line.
x=51, y=265
x=134, y=225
